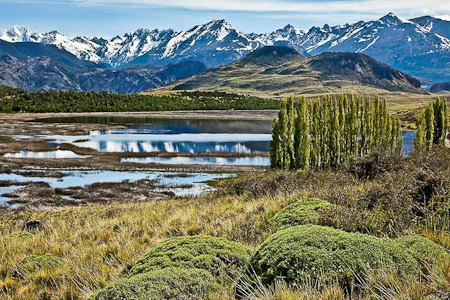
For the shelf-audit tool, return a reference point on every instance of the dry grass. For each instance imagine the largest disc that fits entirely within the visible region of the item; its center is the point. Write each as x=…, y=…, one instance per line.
x=96, y=243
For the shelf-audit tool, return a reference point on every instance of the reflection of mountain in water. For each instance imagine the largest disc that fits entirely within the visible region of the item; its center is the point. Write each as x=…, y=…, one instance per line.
x=172, y=126
x=224, y=161
x=170, y=146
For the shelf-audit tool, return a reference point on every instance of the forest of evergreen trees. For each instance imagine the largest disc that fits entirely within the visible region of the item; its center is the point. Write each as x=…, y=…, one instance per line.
x=324, y=133
x=14, y=100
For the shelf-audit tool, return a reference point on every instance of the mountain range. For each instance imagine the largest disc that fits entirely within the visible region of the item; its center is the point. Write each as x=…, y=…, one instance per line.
x=35, y=67
x=419, y=47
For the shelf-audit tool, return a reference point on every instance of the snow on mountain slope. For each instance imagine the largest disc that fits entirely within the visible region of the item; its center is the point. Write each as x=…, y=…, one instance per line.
x=82, y=47
x=409, y=45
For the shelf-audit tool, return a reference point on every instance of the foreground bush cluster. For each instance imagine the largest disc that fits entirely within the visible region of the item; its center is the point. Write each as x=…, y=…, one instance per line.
x=378, y=228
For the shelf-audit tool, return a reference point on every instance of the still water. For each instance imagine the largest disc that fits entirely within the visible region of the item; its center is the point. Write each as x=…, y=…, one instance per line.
x=204, y=160
x=146, y=135
x=181, y=184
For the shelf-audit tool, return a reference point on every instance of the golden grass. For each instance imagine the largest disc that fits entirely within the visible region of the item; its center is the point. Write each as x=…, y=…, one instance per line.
x=96, y=243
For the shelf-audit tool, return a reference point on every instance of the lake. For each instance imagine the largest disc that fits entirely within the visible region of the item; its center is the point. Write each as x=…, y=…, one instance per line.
x=150, y=135
x=181, y=184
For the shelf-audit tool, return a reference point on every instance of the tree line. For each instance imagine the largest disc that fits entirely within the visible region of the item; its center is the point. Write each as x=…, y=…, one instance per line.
x=14, y=100
x=432, y=126
x=324, y=133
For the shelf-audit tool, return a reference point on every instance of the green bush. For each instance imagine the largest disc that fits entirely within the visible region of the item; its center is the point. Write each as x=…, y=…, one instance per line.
x=34, y=263
x=219, y=256
x=311, y=252
x=422, y=248
x=299, y=213
x=169, y=283
x=20, y=235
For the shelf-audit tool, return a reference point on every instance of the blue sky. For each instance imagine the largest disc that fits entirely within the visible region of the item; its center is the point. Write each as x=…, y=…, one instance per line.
x=110, y=17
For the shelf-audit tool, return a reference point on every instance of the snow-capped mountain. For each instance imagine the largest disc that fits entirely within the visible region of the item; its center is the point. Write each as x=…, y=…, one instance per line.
x=82, y=47
x=214, y=43
x=419, y=46
x=287, y=36
x=401, y=43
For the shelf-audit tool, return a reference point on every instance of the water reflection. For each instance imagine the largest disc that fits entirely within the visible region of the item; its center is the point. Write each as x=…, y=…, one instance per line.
x=47, y=154
x=126, y=140
x=4, y=190
x=172, y=126
x=229, y=161
x=182, y=184
x=145, y=135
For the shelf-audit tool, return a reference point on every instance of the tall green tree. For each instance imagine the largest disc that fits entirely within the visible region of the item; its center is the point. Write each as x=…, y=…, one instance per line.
x=398, y=136
x=315, y=134
x=353, y=121
x=420, y=140
x=302, y=136
x=275, y=146
x=429, y=127
x=283, y=128
x=291, y=127
x=335, y=136
x=441, y=120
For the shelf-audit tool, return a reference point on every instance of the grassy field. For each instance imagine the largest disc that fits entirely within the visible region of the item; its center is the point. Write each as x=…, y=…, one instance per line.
x=83, y=249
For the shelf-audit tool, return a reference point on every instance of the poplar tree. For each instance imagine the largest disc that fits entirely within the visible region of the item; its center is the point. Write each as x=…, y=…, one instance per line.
x=446, y=124
x=386, y=126
x=419, y=141
x=324, y=133
x=429, y=127
x=315, y=134
x=302, y=139
x=441, y=120
x=398, y=137
x=335, y=136
x=291, y=128
x=353, y=126
x=285, y=140
x=327, y=131
x=342, y=124
x=275, y=147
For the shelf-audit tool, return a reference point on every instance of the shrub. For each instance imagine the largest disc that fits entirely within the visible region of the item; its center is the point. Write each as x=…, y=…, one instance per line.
x=299, y=213
x=169, y=283
x=219, y=256
x=34, y=263
x=310, y=252
x=422, y=248
x=20, y=235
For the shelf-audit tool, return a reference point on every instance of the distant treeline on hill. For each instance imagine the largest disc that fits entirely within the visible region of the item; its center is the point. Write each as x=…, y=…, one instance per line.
x=16, y=100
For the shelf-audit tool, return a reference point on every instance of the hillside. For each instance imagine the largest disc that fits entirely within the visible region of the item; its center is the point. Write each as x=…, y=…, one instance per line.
x=280, y=71
x=443, y=87
x=38, y=67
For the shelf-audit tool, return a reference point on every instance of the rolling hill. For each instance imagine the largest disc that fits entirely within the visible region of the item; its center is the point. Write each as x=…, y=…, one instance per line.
x=278, y=71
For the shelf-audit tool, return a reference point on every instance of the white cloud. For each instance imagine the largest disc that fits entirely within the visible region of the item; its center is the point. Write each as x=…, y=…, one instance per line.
x=441, y=7
x=444, y=17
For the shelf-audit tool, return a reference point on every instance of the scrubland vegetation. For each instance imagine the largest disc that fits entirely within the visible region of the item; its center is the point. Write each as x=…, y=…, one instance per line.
x=375, y=228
